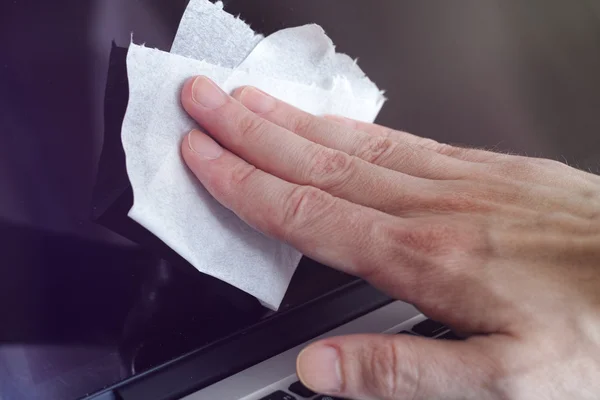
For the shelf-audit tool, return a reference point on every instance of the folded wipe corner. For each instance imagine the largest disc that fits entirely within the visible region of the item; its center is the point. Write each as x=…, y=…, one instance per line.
x=208, y=33
x=168, y=200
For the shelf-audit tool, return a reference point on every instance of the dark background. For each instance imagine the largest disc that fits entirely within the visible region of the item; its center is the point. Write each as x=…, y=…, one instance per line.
x=513, y=75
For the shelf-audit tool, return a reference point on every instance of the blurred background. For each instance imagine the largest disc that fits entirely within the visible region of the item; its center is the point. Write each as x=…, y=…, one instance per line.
x=513, y=75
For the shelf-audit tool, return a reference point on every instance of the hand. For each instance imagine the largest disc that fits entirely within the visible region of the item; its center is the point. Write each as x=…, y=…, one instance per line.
x=504, y=249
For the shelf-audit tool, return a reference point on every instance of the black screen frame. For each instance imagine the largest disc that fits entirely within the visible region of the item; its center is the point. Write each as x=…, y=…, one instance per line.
x=228, y=356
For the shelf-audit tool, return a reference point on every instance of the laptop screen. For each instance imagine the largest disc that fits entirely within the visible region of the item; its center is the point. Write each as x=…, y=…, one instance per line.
x=86, y=302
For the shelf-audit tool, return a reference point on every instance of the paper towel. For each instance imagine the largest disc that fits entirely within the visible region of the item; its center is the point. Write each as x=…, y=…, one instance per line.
x=168, y=200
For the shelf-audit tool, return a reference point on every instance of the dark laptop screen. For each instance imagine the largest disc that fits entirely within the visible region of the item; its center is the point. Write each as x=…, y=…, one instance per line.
x=84, y=307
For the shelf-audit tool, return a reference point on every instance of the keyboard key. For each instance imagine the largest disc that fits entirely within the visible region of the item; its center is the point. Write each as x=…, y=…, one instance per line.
x=279, y=395
x=429, y=328
x=450, y=336
x=301, y=390
x=407, y=333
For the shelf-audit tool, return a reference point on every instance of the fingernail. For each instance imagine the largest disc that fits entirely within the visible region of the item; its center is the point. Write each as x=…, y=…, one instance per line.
x=257, y=101
x=206, y=93
x=342, y=120
x=203, y=145
x=319, y=368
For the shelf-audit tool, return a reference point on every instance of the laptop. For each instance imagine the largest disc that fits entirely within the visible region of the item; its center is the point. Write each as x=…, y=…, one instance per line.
x=253, y=355
x=104, y=310
x=258, y=363
x=88, y=314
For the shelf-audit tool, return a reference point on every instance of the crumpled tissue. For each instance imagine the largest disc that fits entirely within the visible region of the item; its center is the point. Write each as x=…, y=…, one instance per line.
x=297, y=65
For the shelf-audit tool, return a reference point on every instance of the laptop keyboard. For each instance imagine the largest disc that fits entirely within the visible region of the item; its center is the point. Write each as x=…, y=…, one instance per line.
x=279, y=395
x=426, y=328
x=301, y=390
x=429, y=328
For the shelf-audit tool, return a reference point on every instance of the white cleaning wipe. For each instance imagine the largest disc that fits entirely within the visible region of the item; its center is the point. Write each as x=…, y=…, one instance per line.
x=208, y=33
x=302, y=54
x=168, y=200
x=305, y=54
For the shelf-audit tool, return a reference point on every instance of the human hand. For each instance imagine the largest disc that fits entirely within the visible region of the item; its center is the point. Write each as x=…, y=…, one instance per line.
x=501, y=248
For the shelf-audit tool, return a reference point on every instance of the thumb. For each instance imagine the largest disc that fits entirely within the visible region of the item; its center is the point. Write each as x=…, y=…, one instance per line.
x=396, y=367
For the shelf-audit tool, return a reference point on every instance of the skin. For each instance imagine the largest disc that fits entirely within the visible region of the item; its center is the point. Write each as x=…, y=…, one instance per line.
x=503, y=249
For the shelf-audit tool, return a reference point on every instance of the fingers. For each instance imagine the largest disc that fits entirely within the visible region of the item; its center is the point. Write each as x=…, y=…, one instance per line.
x=325, y=228
x=465, y=154
x=396, y=367
x=291, y=157
x=497, y=165
x=351, y=238
x=399, y=155
x=298, y=160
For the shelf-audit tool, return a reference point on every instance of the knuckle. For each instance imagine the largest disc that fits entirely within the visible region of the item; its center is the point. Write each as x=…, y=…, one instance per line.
x=434, y=145
x=301, y=123
x=375, y=149
x=251, y=126
x=387, y=132
x=237, y=177
x=467, y=153
x=329, y=168
x=444, y=149
x=453, y=151
x=382, y=370
x=241, y=173
x=303, y=205
x=389, y=376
